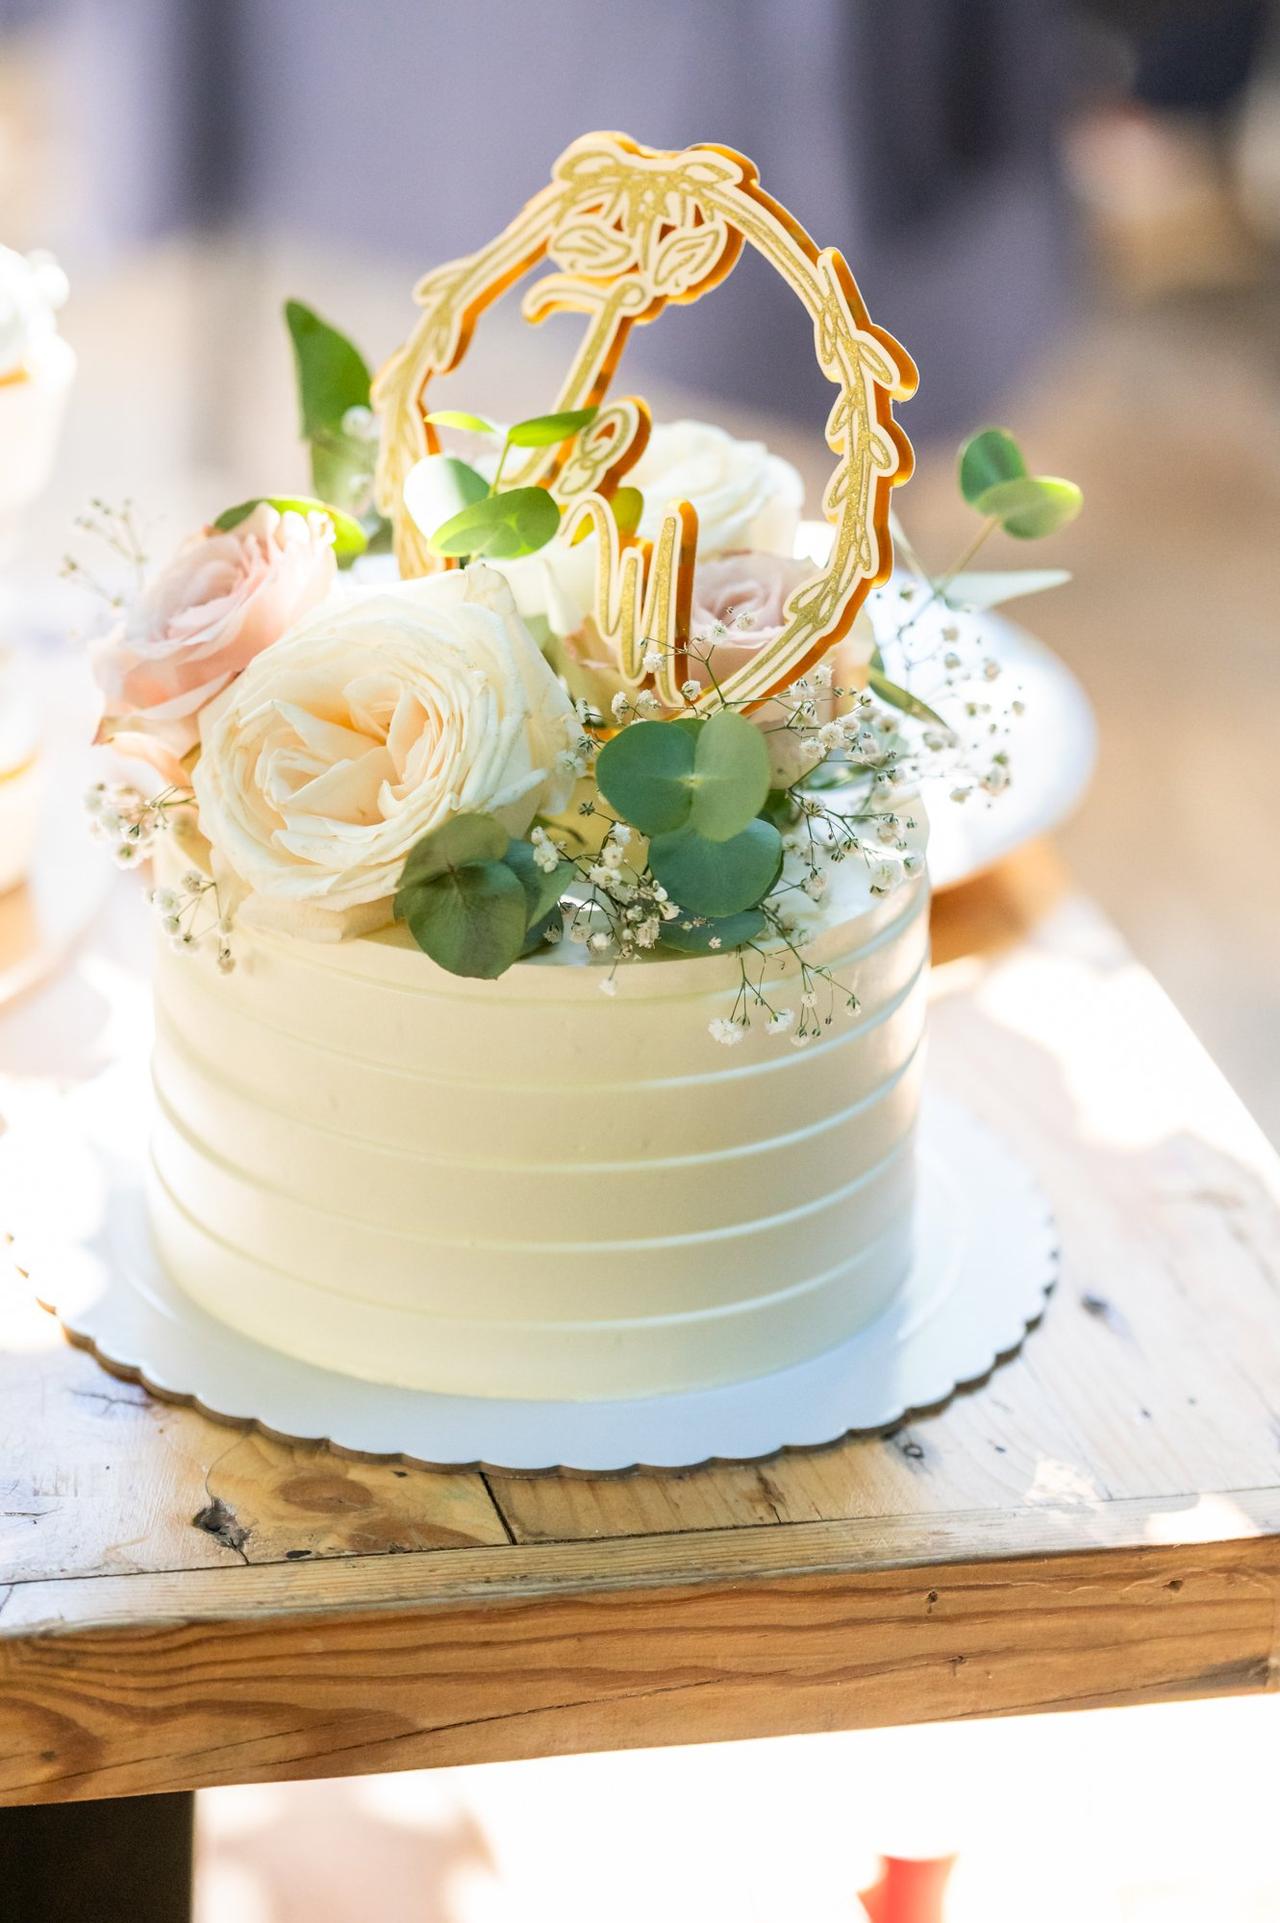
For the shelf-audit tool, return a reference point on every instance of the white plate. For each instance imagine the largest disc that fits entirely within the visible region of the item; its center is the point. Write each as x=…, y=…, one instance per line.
x=986, y=1256
x=1052, y=751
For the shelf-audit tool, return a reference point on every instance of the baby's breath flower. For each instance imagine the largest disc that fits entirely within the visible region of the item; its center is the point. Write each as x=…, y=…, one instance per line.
x=728, y=1033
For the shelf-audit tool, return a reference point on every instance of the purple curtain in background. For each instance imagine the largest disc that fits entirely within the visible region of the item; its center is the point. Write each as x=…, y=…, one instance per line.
x=918, y=135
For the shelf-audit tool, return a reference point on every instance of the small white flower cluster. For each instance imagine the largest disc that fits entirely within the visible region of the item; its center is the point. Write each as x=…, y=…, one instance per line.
x=817, y=985
x=183, y=913
x=576, y=758
x=546, y=852
x=127, y=820
x=617, y=909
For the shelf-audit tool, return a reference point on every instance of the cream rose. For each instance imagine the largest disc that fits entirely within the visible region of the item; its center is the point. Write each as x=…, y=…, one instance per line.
x=367, y=727
x=745, y=497
x=221, y=601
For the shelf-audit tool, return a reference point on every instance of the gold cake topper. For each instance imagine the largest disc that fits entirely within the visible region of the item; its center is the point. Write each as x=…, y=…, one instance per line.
x=628, y=229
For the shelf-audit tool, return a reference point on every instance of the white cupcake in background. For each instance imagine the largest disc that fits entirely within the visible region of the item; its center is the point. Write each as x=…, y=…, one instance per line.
x=36, y=368
x=20, y=775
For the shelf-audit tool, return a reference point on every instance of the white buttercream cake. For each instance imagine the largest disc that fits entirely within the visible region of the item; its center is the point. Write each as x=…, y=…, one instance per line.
x=525, y=1188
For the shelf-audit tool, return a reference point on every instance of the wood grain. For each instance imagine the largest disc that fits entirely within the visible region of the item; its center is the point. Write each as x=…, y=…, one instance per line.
x=124, y=1709
x=184, y=1603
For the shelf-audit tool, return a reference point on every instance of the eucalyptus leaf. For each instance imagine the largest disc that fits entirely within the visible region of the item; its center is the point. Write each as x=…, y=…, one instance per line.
x=520, y=520
x=471, y=920
x=992, y=590
x=626, y=505
x=438, y=487
x=730, y=776
x=710, y=936
x=460, y=840
x=333, y=375
x=536, y=937
x=903, y=699
x=1031, y=506
x=711, y=774
x=644, y=772
x=455, y=417
x=718, y=877
x=349, y=538
x=542, y=887
x=544, y=430
x=989, y=457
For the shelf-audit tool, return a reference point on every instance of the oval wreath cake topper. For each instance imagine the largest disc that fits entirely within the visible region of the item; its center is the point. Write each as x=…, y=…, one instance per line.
x=629, y=228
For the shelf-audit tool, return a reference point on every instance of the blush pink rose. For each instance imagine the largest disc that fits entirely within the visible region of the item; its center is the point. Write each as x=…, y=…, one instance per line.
x=739, y=607
x=221, y=601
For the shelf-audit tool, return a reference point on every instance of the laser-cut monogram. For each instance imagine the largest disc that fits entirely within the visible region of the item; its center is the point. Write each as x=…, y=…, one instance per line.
x=628, y=229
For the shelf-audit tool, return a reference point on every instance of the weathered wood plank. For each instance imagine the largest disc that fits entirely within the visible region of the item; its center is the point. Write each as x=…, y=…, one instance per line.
x=97, y=1477
x=125, y=1709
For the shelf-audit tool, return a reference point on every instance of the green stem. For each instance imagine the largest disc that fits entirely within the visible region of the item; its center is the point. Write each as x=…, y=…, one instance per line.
x=939, y=587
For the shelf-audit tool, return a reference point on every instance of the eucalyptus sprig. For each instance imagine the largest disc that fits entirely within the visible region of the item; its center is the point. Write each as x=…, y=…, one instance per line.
x=995, y=480
x=470, y=515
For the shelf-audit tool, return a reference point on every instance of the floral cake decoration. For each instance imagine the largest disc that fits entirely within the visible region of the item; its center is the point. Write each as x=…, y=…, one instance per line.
x=604, y=703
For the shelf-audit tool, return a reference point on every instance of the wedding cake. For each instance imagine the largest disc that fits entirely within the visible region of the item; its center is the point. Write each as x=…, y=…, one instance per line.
x=540, y=990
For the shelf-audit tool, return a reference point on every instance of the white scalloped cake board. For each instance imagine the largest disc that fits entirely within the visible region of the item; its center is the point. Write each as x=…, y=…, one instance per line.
x=986, y=1258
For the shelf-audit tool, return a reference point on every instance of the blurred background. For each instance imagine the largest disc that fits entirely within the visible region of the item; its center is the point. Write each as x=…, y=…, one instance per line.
x=1070, y=213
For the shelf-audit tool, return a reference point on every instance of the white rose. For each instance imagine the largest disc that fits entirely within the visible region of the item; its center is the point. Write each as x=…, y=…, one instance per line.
x=745, y=497
x=364, y=728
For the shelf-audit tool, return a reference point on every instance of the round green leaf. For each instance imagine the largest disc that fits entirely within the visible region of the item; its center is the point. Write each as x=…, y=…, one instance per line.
x=456, y=843
x=470, y=920
x=645, y=772
x=348, y=536
x=438, y=487
x=628, y=505
x=718, y=877
x=989, y=457
x=726, y=931
x=544, y=430
x=542, y=887
x=730, y=776
x=469, y=423
x=536, y=938
x=1032, y=506
x=518, y=521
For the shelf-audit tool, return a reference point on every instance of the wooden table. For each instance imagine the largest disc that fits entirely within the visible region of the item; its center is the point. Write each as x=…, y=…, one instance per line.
x=185, y=1604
